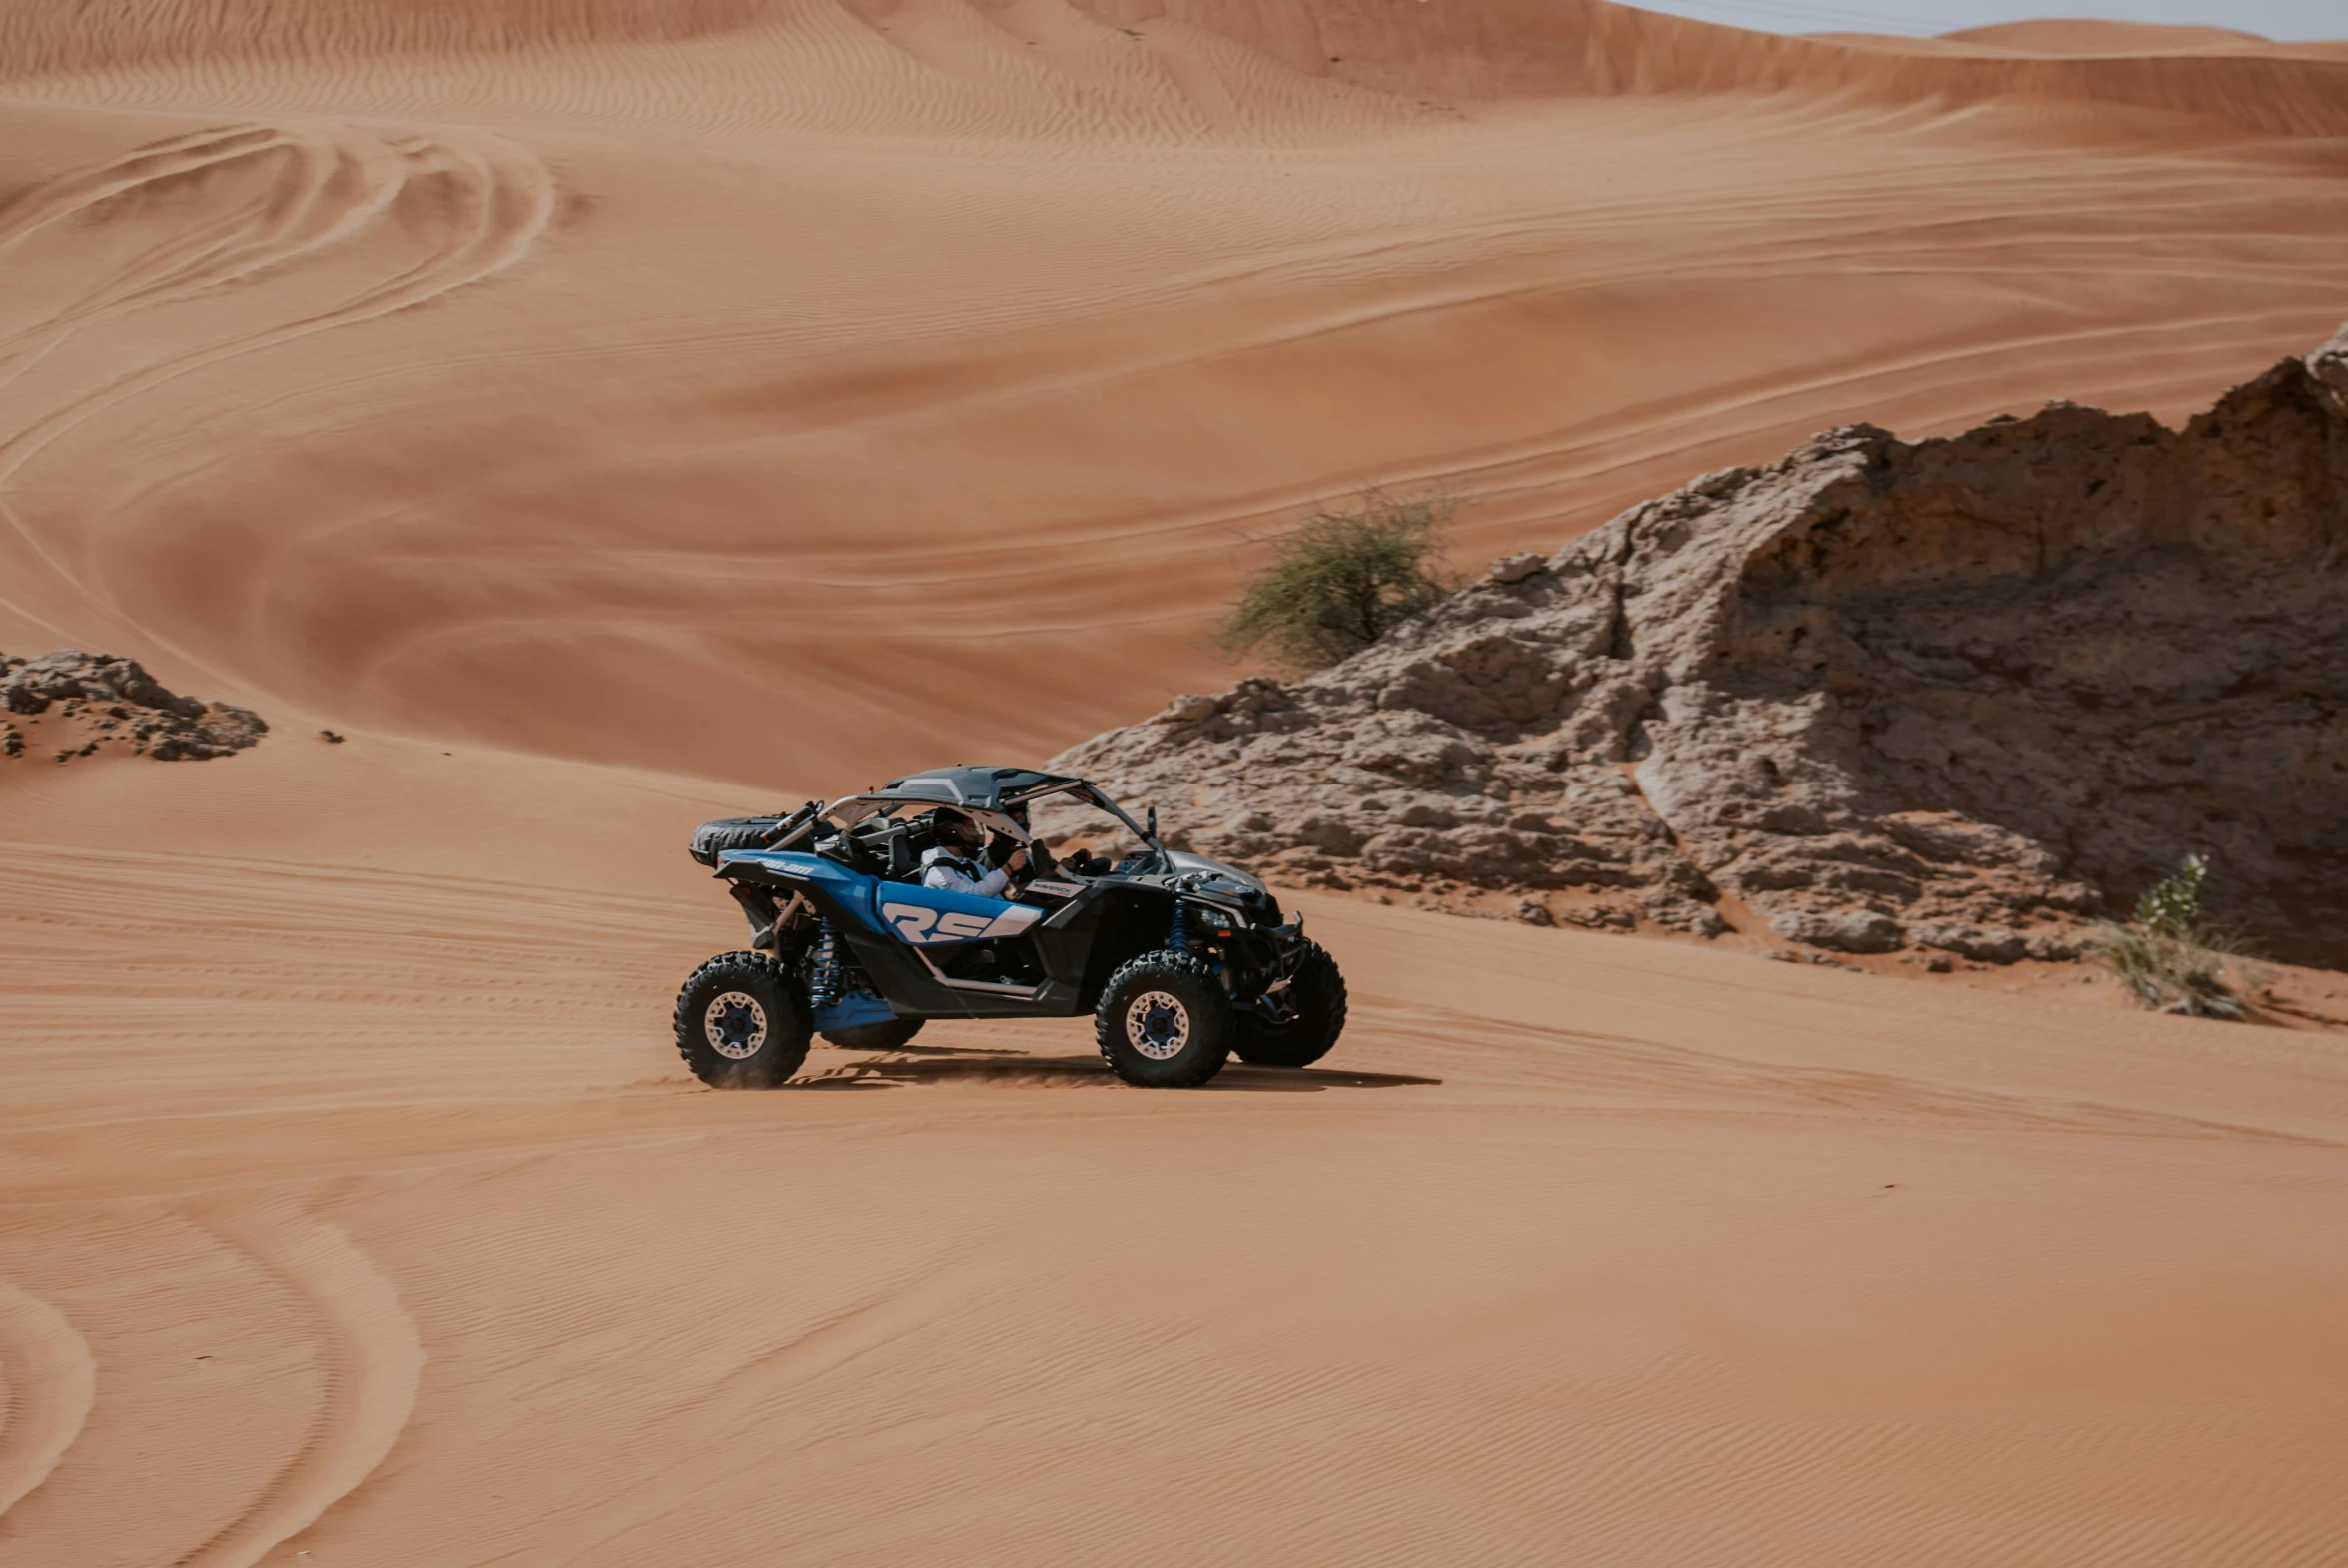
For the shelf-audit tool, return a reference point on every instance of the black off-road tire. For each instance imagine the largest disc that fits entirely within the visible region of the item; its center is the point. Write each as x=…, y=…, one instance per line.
x=1165, y=1002
x=874, y=1037
x=1318, y=994
x=742, y=1023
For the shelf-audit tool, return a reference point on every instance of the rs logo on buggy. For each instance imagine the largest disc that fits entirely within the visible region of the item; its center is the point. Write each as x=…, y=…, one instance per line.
x=915, y=923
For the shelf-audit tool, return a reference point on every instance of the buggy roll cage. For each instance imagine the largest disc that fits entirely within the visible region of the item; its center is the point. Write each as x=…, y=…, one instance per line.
x=849, y=810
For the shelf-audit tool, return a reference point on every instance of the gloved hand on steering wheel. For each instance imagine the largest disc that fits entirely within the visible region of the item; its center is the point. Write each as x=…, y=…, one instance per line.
x=1005, y=851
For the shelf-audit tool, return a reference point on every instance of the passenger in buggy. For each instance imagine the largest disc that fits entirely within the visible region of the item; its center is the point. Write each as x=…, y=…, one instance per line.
x=952, y=865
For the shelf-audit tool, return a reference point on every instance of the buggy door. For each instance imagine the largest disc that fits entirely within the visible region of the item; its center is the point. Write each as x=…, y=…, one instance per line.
x=970, y=943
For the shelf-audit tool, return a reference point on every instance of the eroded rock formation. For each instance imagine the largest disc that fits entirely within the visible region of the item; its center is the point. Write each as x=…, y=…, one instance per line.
x=80, y=703
x=1951, y=694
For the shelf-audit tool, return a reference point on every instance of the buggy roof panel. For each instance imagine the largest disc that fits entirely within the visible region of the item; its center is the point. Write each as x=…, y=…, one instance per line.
x=972, y=788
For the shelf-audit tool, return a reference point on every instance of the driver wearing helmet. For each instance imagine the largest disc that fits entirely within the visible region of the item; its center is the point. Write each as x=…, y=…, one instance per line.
x=953, y=866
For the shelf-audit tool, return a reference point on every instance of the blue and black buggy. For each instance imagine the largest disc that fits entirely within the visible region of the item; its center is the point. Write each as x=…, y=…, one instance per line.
x=1181, y=960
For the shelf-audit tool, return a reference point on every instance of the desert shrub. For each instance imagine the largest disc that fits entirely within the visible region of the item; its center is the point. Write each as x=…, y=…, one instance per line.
x=2172, y=906
x=2169, y=958
x=1343, y=578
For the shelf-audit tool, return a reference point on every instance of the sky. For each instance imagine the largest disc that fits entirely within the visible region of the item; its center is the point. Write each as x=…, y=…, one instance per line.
x=2274, y=18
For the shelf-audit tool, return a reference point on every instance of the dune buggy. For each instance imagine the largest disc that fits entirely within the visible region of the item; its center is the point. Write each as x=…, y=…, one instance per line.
x=1183, y=961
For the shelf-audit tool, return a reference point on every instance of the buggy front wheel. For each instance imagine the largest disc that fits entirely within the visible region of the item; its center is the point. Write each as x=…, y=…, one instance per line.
x=741, y=1023
x=1165, y=1023
x=1314, y=1017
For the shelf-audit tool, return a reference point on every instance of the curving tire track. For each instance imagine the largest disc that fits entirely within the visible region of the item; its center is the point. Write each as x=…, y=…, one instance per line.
x=303, y=193
x=371, y=1361
x=52, y=1381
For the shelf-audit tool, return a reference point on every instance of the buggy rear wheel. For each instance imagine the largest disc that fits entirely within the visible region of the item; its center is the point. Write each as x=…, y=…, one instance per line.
x=1165, y=1023
x=887, y=1035
x=1316, y=1016
x=741, y=1023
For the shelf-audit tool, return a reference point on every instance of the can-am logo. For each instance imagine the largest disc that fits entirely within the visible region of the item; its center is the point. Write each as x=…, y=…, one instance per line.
x=921, y=925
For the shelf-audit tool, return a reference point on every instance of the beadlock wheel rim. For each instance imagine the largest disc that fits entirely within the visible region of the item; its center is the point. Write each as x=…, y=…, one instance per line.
x=735, y=1026
x=1158, y=1025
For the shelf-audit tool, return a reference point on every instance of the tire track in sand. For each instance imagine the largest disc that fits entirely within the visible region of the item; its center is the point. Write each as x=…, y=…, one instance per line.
x=470, y=203
x=51, y=1383
x=371, y=1361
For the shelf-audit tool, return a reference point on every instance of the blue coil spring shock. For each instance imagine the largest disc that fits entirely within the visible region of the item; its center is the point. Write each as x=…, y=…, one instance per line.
x=1178, y=936
x=823, y=986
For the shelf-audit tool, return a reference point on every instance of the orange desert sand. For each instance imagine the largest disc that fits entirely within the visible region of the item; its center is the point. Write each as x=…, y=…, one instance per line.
x=613, y=414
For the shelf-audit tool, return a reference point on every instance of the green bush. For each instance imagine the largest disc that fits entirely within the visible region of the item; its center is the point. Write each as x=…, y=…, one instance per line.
x=2169, y=960
x=1343, y=578
x=2172, y=906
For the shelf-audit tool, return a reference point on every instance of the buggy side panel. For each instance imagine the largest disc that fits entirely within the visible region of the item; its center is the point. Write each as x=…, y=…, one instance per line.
x=846, y=898
x=1087, y=939
x=889, y=927
x=933, y=918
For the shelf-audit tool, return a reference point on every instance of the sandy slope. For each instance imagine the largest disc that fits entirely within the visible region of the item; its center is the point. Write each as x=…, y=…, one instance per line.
x=494, y=394
x=362, y=1197
x=2091, y=40
x=2121, y=39
x=580, y=402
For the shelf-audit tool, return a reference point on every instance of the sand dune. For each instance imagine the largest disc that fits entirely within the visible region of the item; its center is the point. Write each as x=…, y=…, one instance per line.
x=400, y=1233
x=2088, y=39
x=778, y=398
x=2119, y=40
x=610, y=415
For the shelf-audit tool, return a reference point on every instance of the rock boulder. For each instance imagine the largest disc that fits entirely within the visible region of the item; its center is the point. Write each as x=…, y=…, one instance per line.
x=92, y=701
x=1951, y=694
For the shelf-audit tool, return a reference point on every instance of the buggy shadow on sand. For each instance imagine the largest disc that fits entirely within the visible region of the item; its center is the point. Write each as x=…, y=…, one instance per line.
x=1181, y=960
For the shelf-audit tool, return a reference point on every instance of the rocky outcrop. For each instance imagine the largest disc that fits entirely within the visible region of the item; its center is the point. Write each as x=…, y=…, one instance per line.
x=72, y=703
x=1950, y=696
